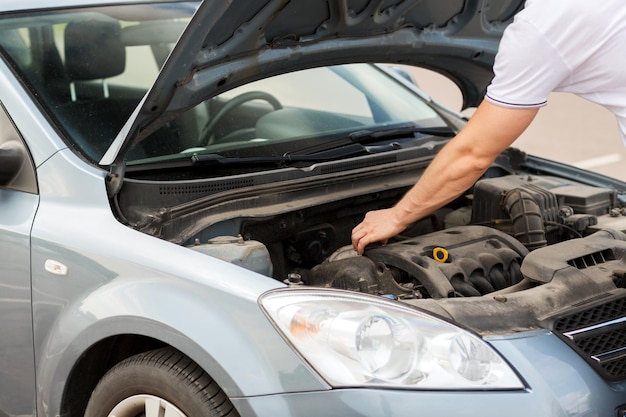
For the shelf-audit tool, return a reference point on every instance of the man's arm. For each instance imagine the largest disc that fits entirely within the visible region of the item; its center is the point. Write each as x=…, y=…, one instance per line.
x=457, y=166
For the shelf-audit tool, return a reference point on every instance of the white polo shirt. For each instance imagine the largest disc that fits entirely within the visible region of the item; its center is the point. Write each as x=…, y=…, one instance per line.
x=576, y=46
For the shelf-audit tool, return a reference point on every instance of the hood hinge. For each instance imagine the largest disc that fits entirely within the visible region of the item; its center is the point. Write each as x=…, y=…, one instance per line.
x=115, y=178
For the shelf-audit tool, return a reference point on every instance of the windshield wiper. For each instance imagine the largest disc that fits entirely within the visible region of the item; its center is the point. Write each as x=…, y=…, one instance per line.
x=369, y=135
x=374, y=135
x=327, y=155
x=344, y=147
x=351, y=145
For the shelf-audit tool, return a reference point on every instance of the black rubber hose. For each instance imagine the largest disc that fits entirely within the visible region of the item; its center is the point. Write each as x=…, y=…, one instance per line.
x=526, y=217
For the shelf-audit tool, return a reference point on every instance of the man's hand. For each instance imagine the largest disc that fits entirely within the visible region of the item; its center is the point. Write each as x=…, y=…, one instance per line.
x=378, y=226
x=457, y=166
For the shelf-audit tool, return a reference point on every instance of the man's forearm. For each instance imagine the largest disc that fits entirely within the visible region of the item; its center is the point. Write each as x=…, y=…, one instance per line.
x=457, y=166
x=451, y=173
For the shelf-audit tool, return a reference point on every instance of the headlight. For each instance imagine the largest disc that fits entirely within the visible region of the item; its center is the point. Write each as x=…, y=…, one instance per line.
x=356, y=340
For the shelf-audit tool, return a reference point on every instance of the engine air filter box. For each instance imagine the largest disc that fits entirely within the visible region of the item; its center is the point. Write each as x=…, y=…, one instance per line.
x=585, y=199
x=487, y=205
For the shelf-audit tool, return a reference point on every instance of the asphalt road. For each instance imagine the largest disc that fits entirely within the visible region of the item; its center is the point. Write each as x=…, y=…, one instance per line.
x=569, y=129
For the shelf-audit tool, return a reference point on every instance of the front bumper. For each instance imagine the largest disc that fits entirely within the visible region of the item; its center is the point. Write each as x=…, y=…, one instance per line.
x=559, y=384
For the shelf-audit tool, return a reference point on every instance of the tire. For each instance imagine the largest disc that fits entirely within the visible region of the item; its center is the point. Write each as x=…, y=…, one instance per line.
x=156, y=383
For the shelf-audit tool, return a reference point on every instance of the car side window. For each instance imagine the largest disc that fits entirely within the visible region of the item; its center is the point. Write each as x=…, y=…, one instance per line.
x=17, y=171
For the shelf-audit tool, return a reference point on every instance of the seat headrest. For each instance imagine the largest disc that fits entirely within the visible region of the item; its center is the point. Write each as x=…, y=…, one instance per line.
x=93, y=50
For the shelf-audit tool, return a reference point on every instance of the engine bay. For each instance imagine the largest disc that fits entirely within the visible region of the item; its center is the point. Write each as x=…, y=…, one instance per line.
x=477, y=245
x=472, y=250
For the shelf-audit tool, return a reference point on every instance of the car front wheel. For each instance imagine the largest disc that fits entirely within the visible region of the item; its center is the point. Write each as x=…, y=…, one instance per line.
x=161, y=382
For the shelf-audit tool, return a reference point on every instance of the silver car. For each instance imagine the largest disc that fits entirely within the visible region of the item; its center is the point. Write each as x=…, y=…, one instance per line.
x=178, y=185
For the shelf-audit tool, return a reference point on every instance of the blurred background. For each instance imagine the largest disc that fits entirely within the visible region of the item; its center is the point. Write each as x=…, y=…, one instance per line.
x=569, y=129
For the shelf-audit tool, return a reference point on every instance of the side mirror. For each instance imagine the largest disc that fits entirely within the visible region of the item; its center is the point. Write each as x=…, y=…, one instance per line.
x=11, y=160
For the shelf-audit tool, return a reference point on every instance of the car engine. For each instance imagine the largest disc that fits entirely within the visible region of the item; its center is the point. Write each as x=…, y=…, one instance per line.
x=472, y=249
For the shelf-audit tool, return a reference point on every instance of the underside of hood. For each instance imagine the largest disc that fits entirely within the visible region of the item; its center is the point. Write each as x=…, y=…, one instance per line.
x=230, y=43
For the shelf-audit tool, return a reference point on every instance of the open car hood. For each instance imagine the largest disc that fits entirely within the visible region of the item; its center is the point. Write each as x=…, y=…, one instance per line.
x=230, y=43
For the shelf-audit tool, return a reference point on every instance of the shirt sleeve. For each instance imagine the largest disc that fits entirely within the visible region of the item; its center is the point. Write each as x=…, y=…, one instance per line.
x=527, y=68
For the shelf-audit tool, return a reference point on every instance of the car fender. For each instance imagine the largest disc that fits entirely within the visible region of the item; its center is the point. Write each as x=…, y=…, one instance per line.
x=242, y=352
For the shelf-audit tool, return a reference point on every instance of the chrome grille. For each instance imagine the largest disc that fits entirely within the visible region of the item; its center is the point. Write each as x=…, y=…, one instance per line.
x=598, y=334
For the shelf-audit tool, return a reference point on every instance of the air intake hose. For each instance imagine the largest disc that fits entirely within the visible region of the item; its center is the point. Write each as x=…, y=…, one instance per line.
x=526, y=218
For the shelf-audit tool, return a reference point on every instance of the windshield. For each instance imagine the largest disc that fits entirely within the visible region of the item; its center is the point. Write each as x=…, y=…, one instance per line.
x=90, y=67
x=292, y=112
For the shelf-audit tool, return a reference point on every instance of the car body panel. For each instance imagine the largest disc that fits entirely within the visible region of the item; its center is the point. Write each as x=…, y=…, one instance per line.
x=105, y=290
x=16, y=357
x=558, y=389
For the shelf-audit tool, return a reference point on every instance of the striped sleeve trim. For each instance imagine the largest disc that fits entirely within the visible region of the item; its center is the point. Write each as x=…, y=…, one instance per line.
x=519, y=105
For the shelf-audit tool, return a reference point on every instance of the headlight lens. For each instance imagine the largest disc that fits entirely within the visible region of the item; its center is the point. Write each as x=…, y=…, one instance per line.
x=353, y=339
